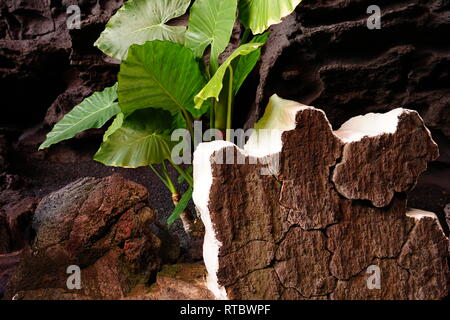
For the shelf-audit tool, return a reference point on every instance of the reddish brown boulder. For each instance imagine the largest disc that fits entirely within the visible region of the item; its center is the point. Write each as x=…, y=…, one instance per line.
x=305, y=232
x=100, y=225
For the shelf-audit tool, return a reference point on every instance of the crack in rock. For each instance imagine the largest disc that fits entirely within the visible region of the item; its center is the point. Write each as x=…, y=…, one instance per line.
x=305, y=240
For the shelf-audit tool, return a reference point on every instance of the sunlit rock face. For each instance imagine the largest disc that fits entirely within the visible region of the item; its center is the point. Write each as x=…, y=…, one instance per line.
x=334, y=211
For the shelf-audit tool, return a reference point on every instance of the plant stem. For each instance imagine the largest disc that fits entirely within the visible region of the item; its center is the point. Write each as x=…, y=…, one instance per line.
x=208, y=73
x=163, y=180
x=189, y=122
x=183, y=173
x=191, y=224
x=212, y=112
x=172, y=187
x=230, y=106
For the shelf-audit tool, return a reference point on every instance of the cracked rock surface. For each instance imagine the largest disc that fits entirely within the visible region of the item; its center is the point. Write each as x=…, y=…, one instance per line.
x=335, y=209
x=387, y=163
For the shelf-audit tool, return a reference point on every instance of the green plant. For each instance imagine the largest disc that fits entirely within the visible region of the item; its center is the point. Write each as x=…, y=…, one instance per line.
x=168, y=79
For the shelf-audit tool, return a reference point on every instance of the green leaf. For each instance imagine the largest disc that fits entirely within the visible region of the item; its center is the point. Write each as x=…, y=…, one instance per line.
x=211, y=23
x=259, y=15
x=93, y=112
x=139, y=21
x=115, y=125
x=181, y=206
x=246, y=63
x=215, y=85
x=143, y=139
x=160, y=74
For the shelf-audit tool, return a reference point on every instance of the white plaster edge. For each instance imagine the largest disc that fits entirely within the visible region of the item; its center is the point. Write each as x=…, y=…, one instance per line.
x=203, y=180
x=418, y=214
x=370, y=125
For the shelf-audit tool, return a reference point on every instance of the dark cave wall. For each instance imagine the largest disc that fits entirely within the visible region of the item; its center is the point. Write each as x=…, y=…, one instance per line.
x=322, y=55
x=45, y=68
x=333, y=61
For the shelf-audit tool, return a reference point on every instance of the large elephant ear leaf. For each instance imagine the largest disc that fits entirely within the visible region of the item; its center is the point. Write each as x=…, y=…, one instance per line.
x=143, y=139
x=259, y=15
x=92, y=113
x=139, y=21
x=211, y=23
x=160, y=75
x=215, y=85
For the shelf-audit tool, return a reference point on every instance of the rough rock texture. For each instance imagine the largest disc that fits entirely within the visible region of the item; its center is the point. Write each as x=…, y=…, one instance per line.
x=365, y=233
x=310, y=183
x=447, y=218
x=17, y=218
x=176, y=282
x=422, y=255
x=324, y=55
x=295, y=235
x=16, y=213
x=4, y=149
x=46, y=69
x=8, y=265
x=4, y=235
x=447, y=213
x=384, y=172
x=100, y=225
x=55, y=66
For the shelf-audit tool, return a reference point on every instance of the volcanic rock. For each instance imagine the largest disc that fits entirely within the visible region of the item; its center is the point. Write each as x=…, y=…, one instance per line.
x=388, y=163
x=5, y=241
x=8, y=265
x=176, y=282
x=4, y=148
x=19, y=215
x=325, y=55
x=308, y=230
x=100, y=225
x=404, y=63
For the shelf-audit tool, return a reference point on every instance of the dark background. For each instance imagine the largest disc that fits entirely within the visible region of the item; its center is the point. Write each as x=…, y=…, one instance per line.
x=322, y=55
